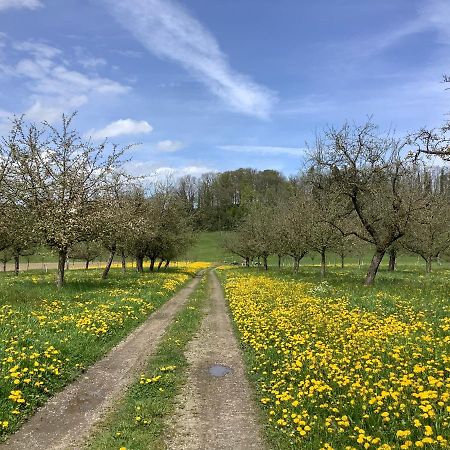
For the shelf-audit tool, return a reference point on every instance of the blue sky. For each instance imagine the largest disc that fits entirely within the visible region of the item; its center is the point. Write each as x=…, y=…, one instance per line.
x=216, y=85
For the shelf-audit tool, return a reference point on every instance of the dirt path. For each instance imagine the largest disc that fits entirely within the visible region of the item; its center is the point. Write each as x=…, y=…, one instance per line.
x=67, y=419
x=215, y=412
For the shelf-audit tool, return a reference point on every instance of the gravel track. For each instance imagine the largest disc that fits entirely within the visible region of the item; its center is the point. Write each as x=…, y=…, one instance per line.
x=215, y=412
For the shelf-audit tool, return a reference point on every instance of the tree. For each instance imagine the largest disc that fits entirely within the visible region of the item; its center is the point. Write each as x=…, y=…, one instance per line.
x=258, y=229
x=158, y=227
x=323, y=235
x=345, y=246
x=429, y=237
x=293, y=228
x=87, y=251
x=6, y=255
x=366, y=170
x=5, y=200
x=60, y=177
x=113, y=218
x=21, y=237
x=432, y=142
x=237, y=243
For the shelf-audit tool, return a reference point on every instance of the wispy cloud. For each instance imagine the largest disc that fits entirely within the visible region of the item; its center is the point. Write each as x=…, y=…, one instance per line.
x=19, y=4
x=169, y=146
x=121, y=127
x=53, y=85
x=432, y=15
x=167, y=29
x=264, y=149
x=87, y=60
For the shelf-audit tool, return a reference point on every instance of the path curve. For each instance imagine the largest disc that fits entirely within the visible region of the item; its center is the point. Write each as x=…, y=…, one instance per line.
x=67, y=419
x=215, y=412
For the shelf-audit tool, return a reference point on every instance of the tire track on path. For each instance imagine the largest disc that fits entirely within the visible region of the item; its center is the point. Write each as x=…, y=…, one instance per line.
x=215, y=412
x=67, y=419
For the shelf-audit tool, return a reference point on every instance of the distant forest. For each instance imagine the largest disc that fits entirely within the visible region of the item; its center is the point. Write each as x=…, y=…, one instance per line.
x=220, y=201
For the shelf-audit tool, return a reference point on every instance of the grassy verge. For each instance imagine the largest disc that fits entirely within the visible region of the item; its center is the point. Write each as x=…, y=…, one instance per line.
x=138, y=422
x=48, y=337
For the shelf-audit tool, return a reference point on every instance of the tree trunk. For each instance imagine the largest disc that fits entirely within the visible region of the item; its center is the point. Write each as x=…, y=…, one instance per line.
x=152, y=264
x=374, y=265
x=279, y=261
x=428, y=264
x=109, y=263
x=86, y=266
x=140, y=263
x=392, y=259
x=62, y=258
x=296, y=264
x=167, y=264
x=266, y=267
x=4, y=266
x=124, y=261
x=16, y=265
x=247, y=262
x=323, y=263
x=342, y=261
x=160, y=264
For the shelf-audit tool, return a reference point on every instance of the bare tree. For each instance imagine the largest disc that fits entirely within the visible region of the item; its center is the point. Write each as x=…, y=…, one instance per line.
x=237, y=243
x=429, y=237
x=431, y=142
x=367, y=171
x=293, y=226
x=259, y=230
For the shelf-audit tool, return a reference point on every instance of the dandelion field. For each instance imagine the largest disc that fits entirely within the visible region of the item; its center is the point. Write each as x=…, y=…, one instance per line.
x=48, y=337
x=340, y=366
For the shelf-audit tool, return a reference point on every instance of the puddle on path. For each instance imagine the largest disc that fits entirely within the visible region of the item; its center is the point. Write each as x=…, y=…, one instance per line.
x=219, y=370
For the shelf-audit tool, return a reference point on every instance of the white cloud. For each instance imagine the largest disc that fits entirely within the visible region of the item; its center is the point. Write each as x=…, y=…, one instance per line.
x=87, y=60
x=18, y=4
x=169, y=146
x=121, y=127
x=37, y=49
x=92, y=62
x=171, y=172
x=166, y=29
x=153, y=171
x=264, y=149
x=5, y=122
x=51, y=109
x=54, y=87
